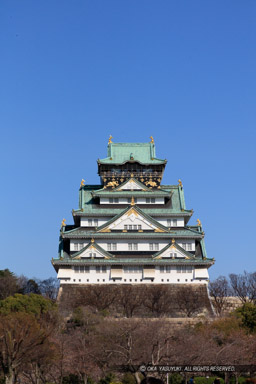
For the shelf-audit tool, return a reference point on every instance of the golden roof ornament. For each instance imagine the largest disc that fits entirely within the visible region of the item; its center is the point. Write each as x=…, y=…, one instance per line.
x=152, y=140
x=199, y=223
x=82, y=183
x=63, y=224
x=132, y=201
x=180, y=183
x=110, y=139
x=92, y=240
x=173, y=241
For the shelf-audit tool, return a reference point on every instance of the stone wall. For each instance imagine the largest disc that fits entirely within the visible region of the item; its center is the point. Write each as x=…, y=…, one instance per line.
x=148, y=301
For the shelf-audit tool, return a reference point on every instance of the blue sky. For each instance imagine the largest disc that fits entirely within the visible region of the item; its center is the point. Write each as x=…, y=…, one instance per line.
x=74, y=72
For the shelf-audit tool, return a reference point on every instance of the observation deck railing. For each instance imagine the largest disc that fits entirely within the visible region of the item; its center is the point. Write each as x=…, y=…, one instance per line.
x=129, y=173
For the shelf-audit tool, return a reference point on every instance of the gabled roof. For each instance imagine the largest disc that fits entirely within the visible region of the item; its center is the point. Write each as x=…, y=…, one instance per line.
x=137, y=211
x=172, y=246
x=120, y=153
x=92, y=245
x=135, y=183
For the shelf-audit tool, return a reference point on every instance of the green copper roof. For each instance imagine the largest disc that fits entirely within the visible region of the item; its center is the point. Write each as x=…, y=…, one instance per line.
x=134, y=261
x=120, y=153
x=177, y=205
x=135, y=193
x=81, y=233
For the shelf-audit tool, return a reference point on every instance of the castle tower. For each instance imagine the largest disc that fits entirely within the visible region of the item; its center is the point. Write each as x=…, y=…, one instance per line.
x=132, y=229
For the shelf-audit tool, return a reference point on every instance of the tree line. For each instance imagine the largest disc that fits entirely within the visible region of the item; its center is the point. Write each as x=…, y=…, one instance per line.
x=241, y=286
x=40, y=343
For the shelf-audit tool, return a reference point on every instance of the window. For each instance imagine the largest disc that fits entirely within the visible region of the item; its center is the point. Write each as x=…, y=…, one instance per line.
x=76, y=247
x=187, y=246
x=89, y=222
x=153, y=246
x=150, y=200
x=113, y=200
x=172, y=222
x=101, y=269
x=139, y=227
x=162, y=269
x=112, y=246
x=165, y=269
x=133, y=246
x=96, y=222
x=81, y=269
x=173, y=255
x=80, y=246
x=92, y=255
x=184, y=269
x=132, y=227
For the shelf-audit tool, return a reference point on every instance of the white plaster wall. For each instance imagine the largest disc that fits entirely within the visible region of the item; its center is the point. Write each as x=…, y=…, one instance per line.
x=122, y=245
x=101, y=221
x=201, y=273
x=163, y=221
x=92, y=277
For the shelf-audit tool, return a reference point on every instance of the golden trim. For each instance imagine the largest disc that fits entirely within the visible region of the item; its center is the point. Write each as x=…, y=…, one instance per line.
x=110, y=139
x=82, y=183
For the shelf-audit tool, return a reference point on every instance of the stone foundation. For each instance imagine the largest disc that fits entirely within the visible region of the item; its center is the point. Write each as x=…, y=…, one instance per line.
x=147, y=301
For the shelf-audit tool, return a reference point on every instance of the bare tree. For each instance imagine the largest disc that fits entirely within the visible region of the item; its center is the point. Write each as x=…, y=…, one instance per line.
x=158, y=300
x=130, y=299
x=219, y=290
x=49, y=287
x=189, y=301
x=244, y=286
x=22, y=342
